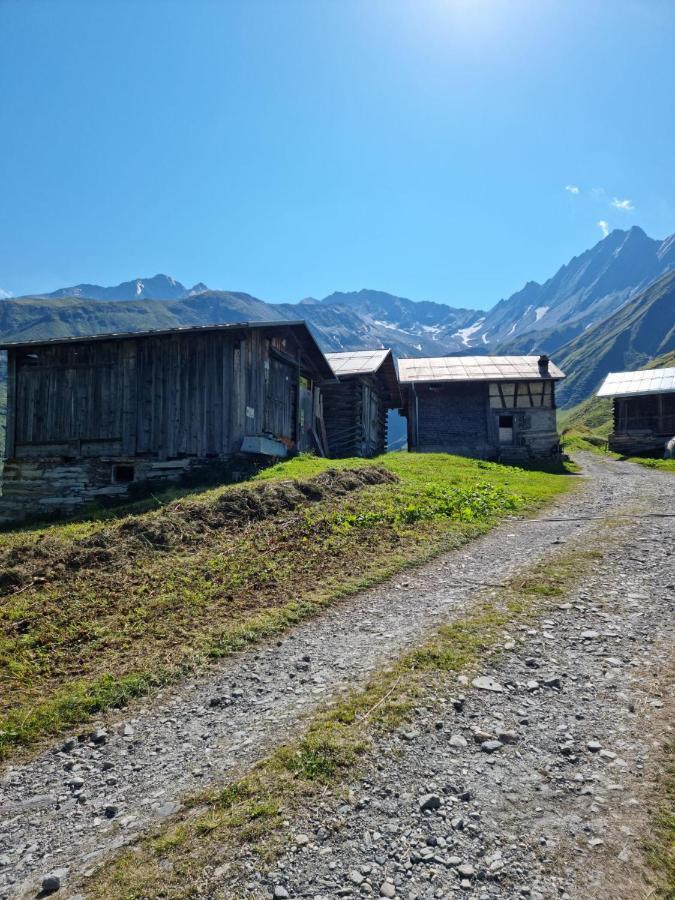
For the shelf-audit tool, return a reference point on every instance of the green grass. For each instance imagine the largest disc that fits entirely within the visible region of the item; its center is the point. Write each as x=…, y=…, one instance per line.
x=661, y=847
x=98, y=612
x=581, y=438
x=665, y=465
x=587, y=425
x=332, y=750
x=594, y=414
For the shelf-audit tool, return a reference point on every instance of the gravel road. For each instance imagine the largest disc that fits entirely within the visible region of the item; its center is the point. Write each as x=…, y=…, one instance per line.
x=540, y=790
x=72, y=806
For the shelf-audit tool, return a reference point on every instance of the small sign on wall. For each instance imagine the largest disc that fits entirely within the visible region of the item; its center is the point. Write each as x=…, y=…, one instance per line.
x=250, y=412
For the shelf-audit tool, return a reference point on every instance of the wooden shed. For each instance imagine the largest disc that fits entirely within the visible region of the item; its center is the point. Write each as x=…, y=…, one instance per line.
x=87, y=417
x=643, y=409
x=356, y=405
x=490, y=407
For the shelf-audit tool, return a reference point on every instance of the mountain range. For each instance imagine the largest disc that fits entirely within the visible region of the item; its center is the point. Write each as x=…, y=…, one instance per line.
x=613, y=305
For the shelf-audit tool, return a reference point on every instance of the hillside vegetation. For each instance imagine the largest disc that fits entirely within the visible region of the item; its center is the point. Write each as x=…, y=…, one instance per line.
x=99, y=611
x=642, y=329
x=595, y=413
x=587, y=425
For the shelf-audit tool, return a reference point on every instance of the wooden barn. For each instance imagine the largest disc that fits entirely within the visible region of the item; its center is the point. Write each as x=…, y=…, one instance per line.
x=356, y=406
x=87, y=417
x=490, y=407
x=643, y=409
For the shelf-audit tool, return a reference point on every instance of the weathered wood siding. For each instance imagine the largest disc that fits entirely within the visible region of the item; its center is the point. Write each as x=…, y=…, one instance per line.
x=163, y=397
x=642, y=424
x=451, y=418
x=355, y=413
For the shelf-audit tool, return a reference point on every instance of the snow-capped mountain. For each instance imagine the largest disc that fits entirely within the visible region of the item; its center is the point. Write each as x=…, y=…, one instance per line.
x=539, y=317
x=586, y=290
x=159, y=287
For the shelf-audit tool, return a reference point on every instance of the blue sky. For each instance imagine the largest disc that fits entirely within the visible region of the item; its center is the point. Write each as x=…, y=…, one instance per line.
x=439, y=149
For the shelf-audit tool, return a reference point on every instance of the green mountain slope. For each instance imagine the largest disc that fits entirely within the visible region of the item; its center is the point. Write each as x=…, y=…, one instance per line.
x=641, y=330
x=595, y=413
x=35, y=318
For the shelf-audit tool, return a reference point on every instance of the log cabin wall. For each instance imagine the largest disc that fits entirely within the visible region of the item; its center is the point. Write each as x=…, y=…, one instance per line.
x=642, y=424
x=87, y=419
x=451, y=418
x=355, y=410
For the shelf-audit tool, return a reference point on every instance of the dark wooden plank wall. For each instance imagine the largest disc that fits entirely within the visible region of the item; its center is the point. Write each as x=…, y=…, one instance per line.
x=452, y=418
x=655, y=413
x=355, y=412
x=68, y=393
x=183, y=403
x=163, y=396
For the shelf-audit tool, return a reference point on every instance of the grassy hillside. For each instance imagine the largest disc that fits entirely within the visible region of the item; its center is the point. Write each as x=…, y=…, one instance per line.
x=638, y=332
x=595, y=413
x=587, y=425
x=30, y=318
x=97, y=612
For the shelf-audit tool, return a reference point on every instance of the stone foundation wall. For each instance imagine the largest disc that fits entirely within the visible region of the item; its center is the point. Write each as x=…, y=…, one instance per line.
x=42, y=488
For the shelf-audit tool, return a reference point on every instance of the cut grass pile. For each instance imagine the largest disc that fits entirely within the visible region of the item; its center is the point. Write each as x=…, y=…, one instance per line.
x=253, y=809
x=97, y=612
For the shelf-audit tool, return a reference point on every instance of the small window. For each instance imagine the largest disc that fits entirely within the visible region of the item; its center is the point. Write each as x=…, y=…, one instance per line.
x=123, y=474
x=506, y=430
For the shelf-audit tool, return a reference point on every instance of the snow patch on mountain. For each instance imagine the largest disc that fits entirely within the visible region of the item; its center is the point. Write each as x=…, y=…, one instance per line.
x=464, y=334
x=540, y=312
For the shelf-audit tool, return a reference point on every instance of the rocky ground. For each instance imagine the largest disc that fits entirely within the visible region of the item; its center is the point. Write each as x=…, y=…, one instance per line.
x=526, y=817
x=535, y=780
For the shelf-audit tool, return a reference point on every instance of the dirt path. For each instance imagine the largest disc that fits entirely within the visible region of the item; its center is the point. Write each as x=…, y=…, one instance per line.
x=545, y=789
x=55, y=809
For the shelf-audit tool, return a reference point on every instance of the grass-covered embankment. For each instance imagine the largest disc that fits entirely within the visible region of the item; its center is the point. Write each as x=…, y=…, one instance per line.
x=96, y=612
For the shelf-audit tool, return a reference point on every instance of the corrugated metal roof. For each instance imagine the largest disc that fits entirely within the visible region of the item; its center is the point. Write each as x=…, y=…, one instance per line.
x=644, y=381
x=474, y=368
x=357, y=362
x=125, y=335
x=297, y=325
x=368, y=362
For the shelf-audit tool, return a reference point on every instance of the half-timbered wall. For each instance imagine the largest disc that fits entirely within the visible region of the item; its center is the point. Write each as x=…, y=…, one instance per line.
x=515, y=420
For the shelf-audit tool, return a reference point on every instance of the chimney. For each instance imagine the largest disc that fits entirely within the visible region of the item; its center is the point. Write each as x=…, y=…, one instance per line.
x=542, y=362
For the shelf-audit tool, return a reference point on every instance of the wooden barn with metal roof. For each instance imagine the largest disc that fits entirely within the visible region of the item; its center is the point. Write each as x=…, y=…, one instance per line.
x=356, y=405
x=490, y=407
x=643, y=409
x=90, y=416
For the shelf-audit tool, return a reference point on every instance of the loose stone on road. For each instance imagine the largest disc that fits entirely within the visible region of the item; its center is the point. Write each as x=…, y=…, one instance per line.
x=72, y=807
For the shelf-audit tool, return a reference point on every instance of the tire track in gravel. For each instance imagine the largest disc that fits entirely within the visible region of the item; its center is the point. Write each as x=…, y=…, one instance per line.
x=55, y=808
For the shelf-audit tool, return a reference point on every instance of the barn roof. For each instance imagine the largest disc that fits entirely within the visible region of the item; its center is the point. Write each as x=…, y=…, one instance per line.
x=298, y=327
x=475, y=368
x=368, y=362
x=640, y=383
